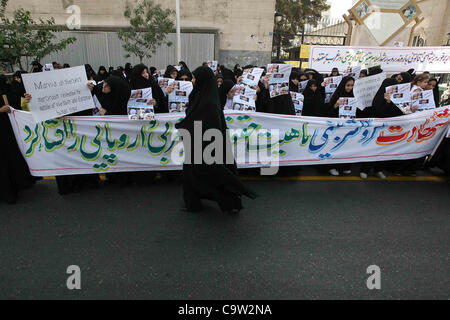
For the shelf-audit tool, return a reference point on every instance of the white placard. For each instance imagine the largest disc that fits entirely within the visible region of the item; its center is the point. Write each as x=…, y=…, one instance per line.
x=400, y=96
x=58, y=93
x=139, y=105
x=179, y=97
x=366, y=88
x=298, y=99
x=251, y=76
x=347, y=108
x=423, y=100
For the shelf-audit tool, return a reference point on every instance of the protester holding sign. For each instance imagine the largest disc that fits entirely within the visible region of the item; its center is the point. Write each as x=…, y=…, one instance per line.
x=141, y=79
x=344, y=90
x=218, y=181
x=14, y=172
x=313, y=105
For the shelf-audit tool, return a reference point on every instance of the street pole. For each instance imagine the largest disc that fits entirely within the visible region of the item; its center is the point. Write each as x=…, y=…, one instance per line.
x=178, y=32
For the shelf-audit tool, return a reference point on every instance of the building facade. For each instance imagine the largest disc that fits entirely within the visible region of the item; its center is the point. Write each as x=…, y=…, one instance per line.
x=229, y=31
x=430, y=28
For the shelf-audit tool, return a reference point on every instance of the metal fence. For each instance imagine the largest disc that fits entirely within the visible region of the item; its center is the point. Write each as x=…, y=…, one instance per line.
x=105, y=49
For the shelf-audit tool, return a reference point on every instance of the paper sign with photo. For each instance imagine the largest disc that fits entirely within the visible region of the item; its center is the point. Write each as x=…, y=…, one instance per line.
x=302, y=86
x=353, y=72
x=139, y=105
x=331, y=85
x=423, y=100
x=243, y=103
x=179, y=97
x=48, y=67
x=163, y=82
x=241, y=89
x=400, y=96
x=279, y=79
x=347, y=108
x=98, y=106
x=212, y=65
x=297, y=99
x=251, y=77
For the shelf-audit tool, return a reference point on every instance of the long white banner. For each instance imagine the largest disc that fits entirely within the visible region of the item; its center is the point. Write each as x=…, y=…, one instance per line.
x=87, y=145
x=392, y=60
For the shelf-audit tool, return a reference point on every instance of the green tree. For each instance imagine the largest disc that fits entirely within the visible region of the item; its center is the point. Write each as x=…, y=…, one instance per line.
x=149, y=26
x=295, y=14
x=22, y=37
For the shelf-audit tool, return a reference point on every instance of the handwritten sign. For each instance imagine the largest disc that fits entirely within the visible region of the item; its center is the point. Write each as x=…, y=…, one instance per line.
x=366, y=88
x=58, y=93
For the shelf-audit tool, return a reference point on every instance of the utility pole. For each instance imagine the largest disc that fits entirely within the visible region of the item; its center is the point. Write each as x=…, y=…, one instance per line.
x=178, y=32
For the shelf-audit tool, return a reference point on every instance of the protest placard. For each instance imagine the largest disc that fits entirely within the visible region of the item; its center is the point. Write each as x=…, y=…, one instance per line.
x=251, y=76
x=331, y=85
x=366, y=88
x=278, y=79
x=400, y=96
x=179, y=97
x=423, y=100
x=302, y=86
x=353, y=72
x=140, y=105
x=297, y=99
x=347, y=108
x=47, y=67
x=58, y=93
x=212, y=65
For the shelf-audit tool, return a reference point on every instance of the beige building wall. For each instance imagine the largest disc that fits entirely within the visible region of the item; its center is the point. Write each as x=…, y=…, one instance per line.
x=243, y=29
x=433, y=29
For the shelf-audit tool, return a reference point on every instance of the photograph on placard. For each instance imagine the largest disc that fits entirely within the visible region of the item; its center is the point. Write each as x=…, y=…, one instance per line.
x=297, y=99
x=140, y=105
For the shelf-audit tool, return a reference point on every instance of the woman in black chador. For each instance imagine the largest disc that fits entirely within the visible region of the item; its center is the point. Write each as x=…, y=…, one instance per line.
x=14, y=172
x=217, y=182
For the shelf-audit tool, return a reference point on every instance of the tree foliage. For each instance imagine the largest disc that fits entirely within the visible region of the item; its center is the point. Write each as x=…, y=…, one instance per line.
x=149, y=26
x=22, y=37
x=296, y=14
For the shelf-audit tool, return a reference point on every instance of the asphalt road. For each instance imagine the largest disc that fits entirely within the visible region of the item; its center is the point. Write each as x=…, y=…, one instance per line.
x=298, y=240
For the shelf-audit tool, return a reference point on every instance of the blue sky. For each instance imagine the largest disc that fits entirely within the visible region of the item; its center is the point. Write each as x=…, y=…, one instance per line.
x=339, y=7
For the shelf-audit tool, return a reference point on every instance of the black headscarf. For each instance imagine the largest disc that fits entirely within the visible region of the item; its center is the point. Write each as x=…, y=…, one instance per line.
x=339, y=93
x=17, y=91
x=128, y=70
x=436, y=92
x=184, y=72
x=184, y=66
x=90, y=73
x=334, y=70
x=292, y=86
x=120, y=94
x=169, y=71
x=137, y=81
x=217, y=182
x=223, y=91
x=313, y=102
x=228, y=74
x=101, y=77
x=381, y=108
x=406, y=77
x=39, y=67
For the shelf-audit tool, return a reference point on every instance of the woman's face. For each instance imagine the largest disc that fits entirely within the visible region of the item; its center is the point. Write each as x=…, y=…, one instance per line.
x=303, y=78
x=423, y=84
x=219, y=82
x=313, y=88
x=18, y=79
x=102, y=71
x=334, y=73
x=174, y=74
x=184, y=78
x=362, y=75
x=311, y=76
x=145, y=74
x=349, y=86
x=295, y=81
x=432, y=85
x=106, y=88
x=399, y=78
